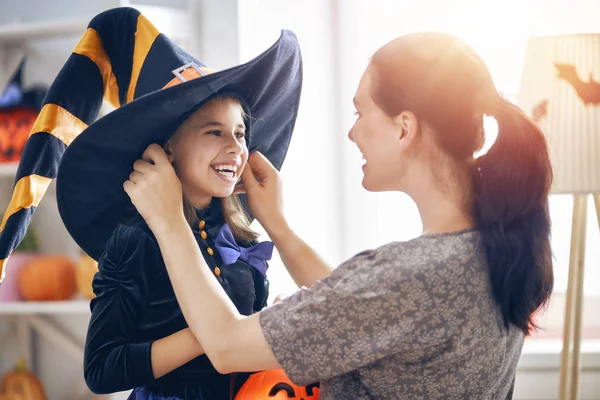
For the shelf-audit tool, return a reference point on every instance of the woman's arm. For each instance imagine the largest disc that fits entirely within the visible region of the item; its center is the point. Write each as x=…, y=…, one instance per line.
x=264, y=197
x=304, y=265
x=365, y=311
x=232, y=342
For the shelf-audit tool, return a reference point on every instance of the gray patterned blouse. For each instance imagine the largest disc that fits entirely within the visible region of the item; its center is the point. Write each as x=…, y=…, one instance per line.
x=410, y=320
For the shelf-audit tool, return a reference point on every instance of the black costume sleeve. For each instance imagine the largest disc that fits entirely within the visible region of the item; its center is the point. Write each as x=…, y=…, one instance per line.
x=114, y=360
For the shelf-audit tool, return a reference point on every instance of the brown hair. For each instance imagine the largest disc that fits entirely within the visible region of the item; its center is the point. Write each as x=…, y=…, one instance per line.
x=234, y=213
x=448, y=86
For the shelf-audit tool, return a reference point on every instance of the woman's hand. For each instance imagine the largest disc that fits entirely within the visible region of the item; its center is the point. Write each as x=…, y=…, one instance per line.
x=264, y=194
x=264, y=199
x=155, y=190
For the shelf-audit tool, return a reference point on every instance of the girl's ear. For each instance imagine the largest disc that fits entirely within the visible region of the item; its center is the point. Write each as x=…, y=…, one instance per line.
x=169, y=151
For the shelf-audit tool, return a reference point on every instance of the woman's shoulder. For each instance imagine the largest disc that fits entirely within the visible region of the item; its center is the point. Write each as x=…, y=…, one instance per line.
x=424, y=258
x=434, y=248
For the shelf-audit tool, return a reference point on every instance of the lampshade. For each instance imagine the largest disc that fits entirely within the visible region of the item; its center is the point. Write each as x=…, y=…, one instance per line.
x=560, y=90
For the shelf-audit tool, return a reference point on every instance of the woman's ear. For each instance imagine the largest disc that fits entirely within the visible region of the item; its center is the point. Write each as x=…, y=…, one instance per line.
x=408, y=129
x=407, y=124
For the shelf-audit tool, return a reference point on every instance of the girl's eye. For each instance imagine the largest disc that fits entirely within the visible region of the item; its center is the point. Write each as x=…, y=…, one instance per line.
x=240, y=135
x=216, y=133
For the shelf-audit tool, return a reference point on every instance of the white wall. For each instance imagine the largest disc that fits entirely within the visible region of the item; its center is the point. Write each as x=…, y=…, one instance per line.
x=312, y=188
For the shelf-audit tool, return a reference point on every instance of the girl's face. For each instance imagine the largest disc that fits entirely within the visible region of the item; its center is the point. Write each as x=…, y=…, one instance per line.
x=209, y=151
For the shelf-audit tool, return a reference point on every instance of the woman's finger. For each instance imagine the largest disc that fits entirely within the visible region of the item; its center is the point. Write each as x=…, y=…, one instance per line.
x=239, y=189
x=248, y=179
x=261, y=167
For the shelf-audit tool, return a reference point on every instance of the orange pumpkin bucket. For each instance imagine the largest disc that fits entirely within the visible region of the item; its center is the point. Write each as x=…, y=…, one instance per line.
x=275, y=385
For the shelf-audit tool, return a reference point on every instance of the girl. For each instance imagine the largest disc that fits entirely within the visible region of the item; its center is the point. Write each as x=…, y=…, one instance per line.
x=137, y=337
x=442, y=316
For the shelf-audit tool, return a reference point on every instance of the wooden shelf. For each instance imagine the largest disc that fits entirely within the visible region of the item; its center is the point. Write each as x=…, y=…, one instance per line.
x=173, y=22
x=42, y=30
x=81, y=307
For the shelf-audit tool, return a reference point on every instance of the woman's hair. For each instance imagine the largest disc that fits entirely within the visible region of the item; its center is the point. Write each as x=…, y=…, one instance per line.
x=447, y=85
x=234, y=213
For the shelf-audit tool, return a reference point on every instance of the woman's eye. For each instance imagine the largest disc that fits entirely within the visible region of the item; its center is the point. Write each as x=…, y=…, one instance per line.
x=240, y=135
x=216, y=133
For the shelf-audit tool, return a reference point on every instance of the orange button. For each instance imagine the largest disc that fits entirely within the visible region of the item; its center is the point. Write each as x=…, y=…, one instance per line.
x=217, y=271
x=210, y=251
x=202, y=224
x=203, y=235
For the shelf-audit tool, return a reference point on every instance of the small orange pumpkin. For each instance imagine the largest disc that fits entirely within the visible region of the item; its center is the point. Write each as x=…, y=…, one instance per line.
x=11, y=397
x=86, y=270
x=48, y=278
x=275, y=385
x=15, y=125
x=22, y=384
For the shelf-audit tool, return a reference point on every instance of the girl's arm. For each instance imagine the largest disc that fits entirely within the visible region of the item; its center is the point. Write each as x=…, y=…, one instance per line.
x=173, y=351
x=115, y=359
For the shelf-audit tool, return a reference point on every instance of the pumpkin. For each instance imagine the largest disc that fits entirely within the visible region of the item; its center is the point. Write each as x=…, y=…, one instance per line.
x=86, y=270
x=24, y=253
x=22, y=384
x=11, y=397
x=48, y=278
x=275, y=385
x=15, y=126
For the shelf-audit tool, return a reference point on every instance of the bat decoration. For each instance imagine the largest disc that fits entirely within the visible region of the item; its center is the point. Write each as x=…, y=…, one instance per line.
x=588, y=92
x=539, y=111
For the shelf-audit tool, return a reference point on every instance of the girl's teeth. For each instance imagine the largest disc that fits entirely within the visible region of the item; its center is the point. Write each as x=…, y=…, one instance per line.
x=226, y=168
x=228, y=174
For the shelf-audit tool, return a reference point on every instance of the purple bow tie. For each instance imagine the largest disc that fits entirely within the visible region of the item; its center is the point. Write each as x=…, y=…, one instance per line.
x=230, y=252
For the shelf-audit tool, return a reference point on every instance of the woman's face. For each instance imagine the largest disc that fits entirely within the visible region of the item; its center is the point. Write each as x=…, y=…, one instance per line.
x=381, y=139
x=209, y=151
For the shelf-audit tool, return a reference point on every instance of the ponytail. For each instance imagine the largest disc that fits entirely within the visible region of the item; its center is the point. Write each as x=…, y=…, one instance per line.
x=511, y=184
